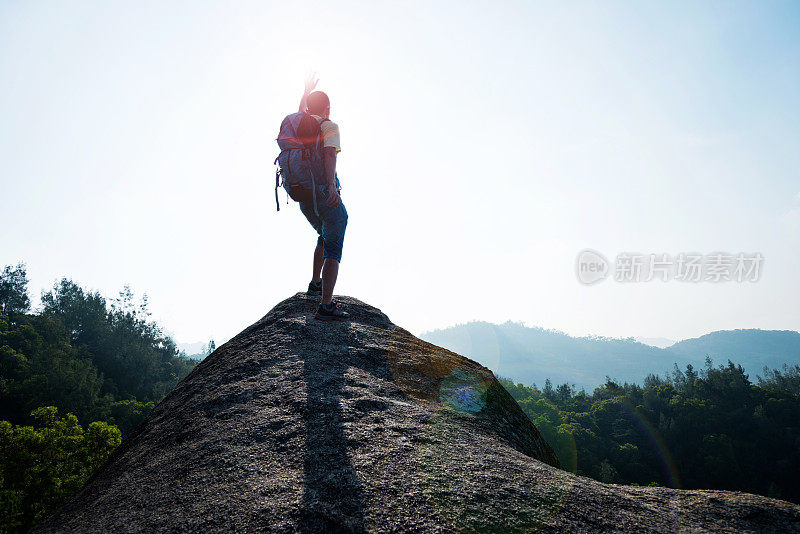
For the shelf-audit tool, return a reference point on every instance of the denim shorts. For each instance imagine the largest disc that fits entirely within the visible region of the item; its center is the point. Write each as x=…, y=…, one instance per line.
x=330, y=224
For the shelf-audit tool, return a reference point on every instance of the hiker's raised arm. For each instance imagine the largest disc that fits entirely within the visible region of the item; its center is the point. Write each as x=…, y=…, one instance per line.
x=311, y=83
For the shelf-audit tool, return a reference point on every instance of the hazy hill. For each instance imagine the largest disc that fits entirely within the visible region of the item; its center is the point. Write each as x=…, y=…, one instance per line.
x=753, y=348
x=532, y=354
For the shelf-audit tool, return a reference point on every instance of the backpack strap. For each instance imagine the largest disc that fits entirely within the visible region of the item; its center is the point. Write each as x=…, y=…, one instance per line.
x=321, y=121
x=314, y=193
x=277, y=184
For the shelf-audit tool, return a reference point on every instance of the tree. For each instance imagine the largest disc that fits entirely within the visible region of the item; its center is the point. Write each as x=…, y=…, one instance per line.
x=606, y=473
x=786, y=382
x=652, y=381
x=40, y=468
x=564, y=392
x=131, y=352
x=14, y=290
x=548, y=390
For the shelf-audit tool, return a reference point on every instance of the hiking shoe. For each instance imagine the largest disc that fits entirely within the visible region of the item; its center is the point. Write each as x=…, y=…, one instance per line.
x=314, y=289
x=331, y=312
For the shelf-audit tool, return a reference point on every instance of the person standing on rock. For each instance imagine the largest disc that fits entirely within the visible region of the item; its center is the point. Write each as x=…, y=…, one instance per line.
x=319, y=198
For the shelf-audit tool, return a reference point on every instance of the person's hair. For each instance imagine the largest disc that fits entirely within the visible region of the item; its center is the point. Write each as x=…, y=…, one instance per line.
x=318, y=102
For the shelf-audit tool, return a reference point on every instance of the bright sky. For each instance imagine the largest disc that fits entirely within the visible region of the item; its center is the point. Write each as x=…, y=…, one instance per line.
x=484, y=146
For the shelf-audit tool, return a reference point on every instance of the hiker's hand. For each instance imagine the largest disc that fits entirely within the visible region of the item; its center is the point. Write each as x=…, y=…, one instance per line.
x=311, y=82
x=333, y=198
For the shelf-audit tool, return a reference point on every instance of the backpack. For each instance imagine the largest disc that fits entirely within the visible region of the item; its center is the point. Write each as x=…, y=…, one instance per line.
x=301, y=164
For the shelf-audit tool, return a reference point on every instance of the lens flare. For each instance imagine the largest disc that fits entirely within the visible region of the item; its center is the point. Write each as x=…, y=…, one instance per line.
x=668, y=465
x=456, y=400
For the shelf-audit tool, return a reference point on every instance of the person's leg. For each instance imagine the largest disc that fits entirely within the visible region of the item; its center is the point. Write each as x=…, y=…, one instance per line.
x=318, y=260
x=334, y=223
x=308, y=211
x=330, y=271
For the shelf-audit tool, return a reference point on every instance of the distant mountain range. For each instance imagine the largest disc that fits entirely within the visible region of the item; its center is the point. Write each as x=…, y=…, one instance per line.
x=531, y=354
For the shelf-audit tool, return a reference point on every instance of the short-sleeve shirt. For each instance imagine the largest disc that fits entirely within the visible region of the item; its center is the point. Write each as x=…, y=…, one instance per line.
x=330, y=134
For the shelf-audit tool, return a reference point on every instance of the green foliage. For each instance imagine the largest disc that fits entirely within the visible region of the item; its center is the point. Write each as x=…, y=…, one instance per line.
x=97, y=360
x=786, y=380
x=43, y=466
x=13, y=290
x=135, y=357
x=606, y=473
x=104, y=364
x=128, y=413
x=39, y=366
x=710, y=429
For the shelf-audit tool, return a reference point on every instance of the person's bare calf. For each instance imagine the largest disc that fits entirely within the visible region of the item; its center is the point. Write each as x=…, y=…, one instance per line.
x=318, y=260
x=330, y=271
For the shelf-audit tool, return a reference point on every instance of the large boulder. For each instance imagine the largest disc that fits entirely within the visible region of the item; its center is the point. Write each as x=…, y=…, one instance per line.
x=301, y=425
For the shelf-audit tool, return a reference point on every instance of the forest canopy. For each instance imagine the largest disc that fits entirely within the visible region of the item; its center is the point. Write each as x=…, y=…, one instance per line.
x=75, y=377
x=95, y=358
x=712, y=429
